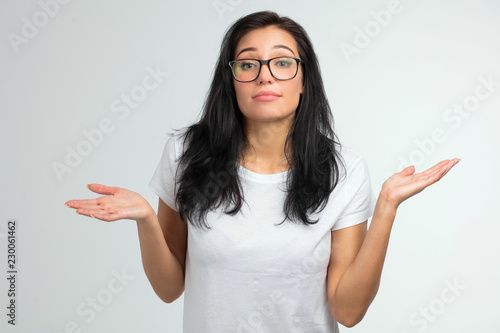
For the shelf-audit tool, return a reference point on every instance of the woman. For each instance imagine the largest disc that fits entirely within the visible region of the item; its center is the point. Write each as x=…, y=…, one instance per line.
x=262, y=216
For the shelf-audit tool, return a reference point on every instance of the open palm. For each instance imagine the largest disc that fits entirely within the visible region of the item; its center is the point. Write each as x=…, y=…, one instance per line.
x=404, y=184
x=118, y=203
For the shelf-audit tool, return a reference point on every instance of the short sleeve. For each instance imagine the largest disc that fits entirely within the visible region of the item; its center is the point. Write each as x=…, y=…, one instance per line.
x=163, y=180
x=358, y=193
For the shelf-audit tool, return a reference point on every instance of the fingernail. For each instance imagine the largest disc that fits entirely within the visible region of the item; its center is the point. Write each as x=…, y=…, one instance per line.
x=88, y=186
x=65, y=204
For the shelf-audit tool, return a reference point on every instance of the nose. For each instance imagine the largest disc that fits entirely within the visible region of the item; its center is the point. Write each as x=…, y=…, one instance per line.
x=265, y=74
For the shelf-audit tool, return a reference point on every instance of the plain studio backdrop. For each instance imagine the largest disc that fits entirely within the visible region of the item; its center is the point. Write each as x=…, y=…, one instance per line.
x=89, y=90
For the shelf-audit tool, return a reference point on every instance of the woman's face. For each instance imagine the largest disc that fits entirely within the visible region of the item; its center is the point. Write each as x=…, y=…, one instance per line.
x=263, y=44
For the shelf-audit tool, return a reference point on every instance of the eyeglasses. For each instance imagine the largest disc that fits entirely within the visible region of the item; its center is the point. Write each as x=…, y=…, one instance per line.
x=281, y=68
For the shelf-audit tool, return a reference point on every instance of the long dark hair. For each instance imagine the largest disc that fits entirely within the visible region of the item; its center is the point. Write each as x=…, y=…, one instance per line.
x=208, y=165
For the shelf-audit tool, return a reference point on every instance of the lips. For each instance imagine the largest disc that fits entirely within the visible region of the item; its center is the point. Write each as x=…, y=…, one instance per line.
x=266, y=96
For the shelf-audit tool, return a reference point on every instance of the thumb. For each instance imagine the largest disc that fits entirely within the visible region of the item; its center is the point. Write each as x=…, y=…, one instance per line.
x=408, y=171
x=102, y=189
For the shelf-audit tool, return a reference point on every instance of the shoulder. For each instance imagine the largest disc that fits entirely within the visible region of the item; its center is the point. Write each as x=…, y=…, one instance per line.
x=351, y=158
x=349, y=154
x=176, y=142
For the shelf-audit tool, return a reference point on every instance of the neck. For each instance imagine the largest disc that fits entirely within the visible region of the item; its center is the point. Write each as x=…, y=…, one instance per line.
x=264, y=152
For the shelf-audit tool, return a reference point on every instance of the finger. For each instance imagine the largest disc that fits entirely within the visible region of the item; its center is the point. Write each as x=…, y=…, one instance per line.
x=407, y=171
x=440, y=169
x=85, y=212
x=449, y=166
x=445, y=164
x=87, y=203
x=433, y=174
x=90, y=212
x=435, y=168
x=438, y=174
x=104, y=216
x=102, y=189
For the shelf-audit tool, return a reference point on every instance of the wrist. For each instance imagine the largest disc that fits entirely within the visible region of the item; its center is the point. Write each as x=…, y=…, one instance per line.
x=385, y=202
x=385, y=206
x=149, y=219
x=383, y=215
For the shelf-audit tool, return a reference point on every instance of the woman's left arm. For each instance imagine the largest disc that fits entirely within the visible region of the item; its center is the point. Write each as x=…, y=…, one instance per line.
x=358, y=255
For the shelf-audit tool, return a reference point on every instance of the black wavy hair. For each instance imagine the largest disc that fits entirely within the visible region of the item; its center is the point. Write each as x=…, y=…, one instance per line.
x=213, y=145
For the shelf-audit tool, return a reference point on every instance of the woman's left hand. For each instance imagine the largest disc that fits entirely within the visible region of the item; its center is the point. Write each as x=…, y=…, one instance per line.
x=405, y=184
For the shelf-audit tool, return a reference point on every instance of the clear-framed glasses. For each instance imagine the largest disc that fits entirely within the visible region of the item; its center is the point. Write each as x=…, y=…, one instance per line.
x=281, y=68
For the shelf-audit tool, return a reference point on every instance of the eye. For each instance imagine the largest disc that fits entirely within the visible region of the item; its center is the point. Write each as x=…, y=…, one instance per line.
x=283, y=63
x=246, y=65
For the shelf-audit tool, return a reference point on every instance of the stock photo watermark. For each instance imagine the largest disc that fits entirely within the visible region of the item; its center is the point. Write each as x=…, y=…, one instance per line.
x=224, y=6
x=89, y=309
x=31, y=26
x=422, y=318
x=121, y=107
x=265, y=308
x=371, y=30
x=453, y=116
x=309, y=267
x=12, y=271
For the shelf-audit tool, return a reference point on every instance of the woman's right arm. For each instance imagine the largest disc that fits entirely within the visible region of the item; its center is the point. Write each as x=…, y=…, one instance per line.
x=163, y=241
x=162, y=237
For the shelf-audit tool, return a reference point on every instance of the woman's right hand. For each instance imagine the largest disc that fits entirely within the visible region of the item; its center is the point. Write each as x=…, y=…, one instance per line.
x=117, y=204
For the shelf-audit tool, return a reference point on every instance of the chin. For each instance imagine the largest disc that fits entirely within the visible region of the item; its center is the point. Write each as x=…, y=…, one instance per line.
x=267, y=116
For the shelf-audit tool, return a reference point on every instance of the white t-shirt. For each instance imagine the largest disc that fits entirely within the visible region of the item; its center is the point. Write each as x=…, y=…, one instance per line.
x=248, y=275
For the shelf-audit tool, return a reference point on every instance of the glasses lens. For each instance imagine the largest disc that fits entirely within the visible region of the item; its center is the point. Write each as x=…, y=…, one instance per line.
x=246, y=70
x=284, y=68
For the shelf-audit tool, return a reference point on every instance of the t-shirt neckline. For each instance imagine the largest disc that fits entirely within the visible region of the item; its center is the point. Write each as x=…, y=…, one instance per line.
x=262, y=177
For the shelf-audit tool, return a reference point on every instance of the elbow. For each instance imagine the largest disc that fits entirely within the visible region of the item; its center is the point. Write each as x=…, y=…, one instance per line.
x=171, y=297
x=167, y=300
x=350, y=321
x=349, y=318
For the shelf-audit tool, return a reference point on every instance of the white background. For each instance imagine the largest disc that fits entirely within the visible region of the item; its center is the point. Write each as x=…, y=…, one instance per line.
x=388, y=98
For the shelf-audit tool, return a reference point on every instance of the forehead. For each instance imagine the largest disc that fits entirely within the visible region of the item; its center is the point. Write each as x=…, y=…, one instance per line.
x=265, y=39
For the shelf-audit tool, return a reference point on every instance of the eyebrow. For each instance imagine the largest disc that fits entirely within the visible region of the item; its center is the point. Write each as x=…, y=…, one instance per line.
x=279, y=46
